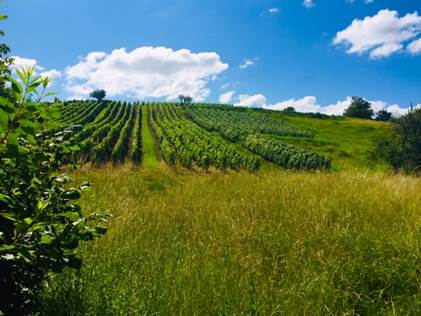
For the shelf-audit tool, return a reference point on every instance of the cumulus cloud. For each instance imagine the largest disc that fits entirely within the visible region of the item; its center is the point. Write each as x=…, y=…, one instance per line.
x=19, y=62
x=415, y=47
x=252, y=101
x=309, y=104
x=380, y=35
x=52, y=74
x=157, y=72
x=306, y=104
x=309, y=3
x=226, y=97
x=248, y=62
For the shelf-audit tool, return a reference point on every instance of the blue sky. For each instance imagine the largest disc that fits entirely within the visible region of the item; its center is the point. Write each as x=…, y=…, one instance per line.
x=253, y=52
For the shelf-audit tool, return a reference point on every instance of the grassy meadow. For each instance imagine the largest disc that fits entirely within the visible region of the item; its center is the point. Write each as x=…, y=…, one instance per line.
x=349, y=142
x=237, y=243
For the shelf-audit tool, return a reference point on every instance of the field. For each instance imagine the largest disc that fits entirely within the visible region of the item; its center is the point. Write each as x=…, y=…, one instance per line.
x=222, y=137
x=234, y=243
x=224, y=211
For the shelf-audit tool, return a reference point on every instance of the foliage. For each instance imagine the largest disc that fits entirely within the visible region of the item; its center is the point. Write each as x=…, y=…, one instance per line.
x=184, y=99
x=383, y=115
x=5, y=63
x=136, y=147
x=40, y=226
x=359, y=108
x=289, y=110
x=98, y=94
x=183, y=141
x=403, y=150
x=255, y=130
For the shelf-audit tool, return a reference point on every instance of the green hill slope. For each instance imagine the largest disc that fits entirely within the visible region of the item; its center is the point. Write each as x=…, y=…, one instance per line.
x=348, y=142
x=203, y=136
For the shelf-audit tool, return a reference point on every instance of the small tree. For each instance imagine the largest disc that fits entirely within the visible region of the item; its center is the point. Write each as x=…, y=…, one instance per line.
x=184, y=100
x=403, y=150
x=289, y=110
x=359, y=108
x=98, y=94
x=383, y=115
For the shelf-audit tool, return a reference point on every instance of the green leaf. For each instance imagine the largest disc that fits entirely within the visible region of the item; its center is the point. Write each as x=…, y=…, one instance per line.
x=31, y=107
x=7, y=104
x=4, y=119
x=4, y=198
x=6, y=248
x=13, y=144
x=46, y=239
x=21, y=75
x=28, y=220
x=16, y=87
x=9, y=216
x=50, y=94
x=28, y=127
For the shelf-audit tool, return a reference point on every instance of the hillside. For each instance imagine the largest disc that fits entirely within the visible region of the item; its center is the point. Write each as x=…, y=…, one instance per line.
x=222, y=137
x=278, y=241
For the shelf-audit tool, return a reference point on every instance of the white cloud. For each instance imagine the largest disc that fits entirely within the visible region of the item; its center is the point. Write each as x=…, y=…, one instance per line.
x=309, y=3
x=273, y=10
x=52, y=74
x=306, y=104
x=247, y=63
x=252, y=101
x=19, y=62
x=158, y=72
x=380, y=35
x=415, y=47
x=309, y=104
x=226, y=97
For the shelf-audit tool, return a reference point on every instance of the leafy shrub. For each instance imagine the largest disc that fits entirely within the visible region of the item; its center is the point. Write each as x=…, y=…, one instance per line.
x=40, y=226
x=403, y=150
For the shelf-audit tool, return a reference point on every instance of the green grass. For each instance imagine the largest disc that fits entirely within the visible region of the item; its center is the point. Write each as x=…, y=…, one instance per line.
x=235, y=243
x=149, y=151
x=347, y=141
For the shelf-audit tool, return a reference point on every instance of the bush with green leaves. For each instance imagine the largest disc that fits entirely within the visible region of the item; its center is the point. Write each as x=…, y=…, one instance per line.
x=403, y=150
x=40, y=224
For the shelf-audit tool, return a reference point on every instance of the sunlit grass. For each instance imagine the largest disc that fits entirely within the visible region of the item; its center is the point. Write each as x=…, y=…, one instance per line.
x=237, y=243
x=349, y=142
x=149, y=152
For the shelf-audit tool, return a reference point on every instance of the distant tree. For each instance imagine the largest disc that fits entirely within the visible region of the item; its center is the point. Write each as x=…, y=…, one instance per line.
x=383, y=115
x=184, y=99
x=359, y=108
x=289, y=110
x=403, y=150
x=98, y=94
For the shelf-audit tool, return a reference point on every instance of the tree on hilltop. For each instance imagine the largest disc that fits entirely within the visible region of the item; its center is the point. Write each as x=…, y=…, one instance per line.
x=98, y=94
x=383, y=115
x=359, y=108
x=184, y=99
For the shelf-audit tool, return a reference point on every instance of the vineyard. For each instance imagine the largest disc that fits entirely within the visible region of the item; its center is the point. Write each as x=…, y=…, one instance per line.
x=195, y=136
